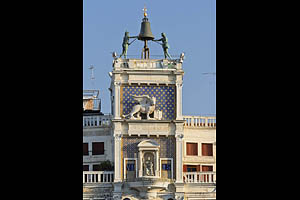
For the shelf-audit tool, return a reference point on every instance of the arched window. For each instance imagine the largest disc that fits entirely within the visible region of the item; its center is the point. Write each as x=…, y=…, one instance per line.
x=126, y=199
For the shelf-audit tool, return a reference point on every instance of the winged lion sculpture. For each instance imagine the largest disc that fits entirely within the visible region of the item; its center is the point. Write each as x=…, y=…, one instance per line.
x=147, y=105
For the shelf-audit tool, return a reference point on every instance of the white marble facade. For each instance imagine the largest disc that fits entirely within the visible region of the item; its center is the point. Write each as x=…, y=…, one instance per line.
x=149, y=153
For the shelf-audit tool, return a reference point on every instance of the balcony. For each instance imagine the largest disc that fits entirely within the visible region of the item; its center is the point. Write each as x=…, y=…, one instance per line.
x=188, y=177
x=96, y=121
x=199, y=122
x=98, y=176
x=199, y=177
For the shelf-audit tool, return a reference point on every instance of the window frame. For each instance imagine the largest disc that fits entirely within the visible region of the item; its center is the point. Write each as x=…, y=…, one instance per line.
x=88, y=166
x=125, y=167
x=186, y=146
x=87, y=144
x=172, y=166
x=212, y=149
x=93, y=153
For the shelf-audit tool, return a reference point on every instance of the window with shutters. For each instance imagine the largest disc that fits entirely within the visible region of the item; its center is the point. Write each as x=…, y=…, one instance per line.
x=98, y=148
x=191, y=168
x=206, y=168
x=207, y=149
x=191, y=149
x=85, y=149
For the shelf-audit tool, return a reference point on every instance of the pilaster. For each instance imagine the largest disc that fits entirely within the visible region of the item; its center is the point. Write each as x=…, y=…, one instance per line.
x=117, y=86
x=179, y=101
x=117, y=164
x=179, y=154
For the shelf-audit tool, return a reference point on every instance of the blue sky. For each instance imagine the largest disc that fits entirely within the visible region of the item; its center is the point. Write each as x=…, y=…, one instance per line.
x=189, y=25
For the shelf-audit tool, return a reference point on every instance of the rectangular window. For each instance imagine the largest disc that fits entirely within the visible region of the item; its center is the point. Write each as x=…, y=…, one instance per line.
x=85, y=149
x=98, y=148
x=192, y=149
x=207, y=168
x=166, y=167
x=130, y=167
x=86, y=168
x=130, y=170
x=207, y=149
x=207, y=177
x=191, y=168
x=184, y=168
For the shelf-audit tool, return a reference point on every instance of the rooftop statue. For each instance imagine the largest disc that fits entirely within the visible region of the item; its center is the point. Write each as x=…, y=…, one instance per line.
x=164, y=45
x=126, y=44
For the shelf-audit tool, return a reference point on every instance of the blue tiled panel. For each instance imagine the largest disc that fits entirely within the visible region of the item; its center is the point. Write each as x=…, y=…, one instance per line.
x=167, y=146
x=165, y=98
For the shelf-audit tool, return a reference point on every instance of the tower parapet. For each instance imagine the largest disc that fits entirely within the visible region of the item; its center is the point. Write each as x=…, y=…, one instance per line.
x=135, y=63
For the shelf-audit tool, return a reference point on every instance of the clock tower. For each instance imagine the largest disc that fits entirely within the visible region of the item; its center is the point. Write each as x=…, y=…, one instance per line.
x=147, y=124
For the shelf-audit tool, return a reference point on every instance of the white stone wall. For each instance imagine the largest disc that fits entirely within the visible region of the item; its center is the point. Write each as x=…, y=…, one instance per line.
x=91, y=135
x=200, y=135
x=152, y=72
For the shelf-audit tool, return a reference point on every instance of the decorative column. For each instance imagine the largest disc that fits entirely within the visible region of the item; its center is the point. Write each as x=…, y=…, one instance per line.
x=117, y=86
x=179, y=101
x=140, y=163
x=157, y=163
x=118, y=150
x=179, y=155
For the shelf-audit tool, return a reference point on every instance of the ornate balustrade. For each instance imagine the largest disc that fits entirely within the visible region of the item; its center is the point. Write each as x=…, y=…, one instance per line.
x=134, y=63
x=98, y=177
x=188, y=177
x=198, y=121
x=199, y=177
x=96, y=120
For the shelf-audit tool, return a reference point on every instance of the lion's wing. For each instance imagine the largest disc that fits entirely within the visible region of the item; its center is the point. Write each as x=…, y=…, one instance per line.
x=141, y=98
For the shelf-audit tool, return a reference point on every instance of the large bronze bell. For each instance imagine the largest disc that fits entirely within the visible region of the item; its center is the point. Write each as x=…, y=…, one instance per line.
x=145, y=33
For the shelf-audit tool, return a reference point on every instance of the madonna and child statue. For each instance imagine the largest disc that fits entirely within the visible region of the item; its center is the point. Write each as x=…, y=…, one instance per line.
x=148, y=167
